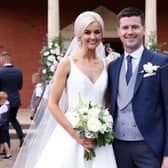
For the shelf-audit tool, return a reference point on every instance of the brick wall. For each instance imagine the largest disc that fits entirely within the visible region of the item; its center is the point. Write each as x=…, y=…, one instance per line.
x=22, y=34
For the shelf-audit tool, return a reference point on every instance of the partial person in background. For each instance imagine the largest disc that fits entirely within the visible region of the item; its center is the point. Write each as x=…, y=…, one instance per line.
x=110, y=54
x=4, y=126
x=37, y=93
x=11, y=81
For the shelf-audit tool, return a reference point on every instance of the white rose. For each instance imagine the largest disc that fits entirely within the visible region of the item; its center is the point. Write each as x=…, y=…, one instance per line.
x=83, y=110
x=51, y=58
x=93, y=124
x=56, y=45
x=155, y=67
x=148, y=67
x=55, y=62
x=59, y=58
x=44, y=71
x=94, y=112
x=57, y=50
x=48, y=64
x=89, y=135
x=107, y=119
x=103, y=129
x=46, y=53
x=109, y=125
x=53, y=51
x=52, y=68
x=50, y=44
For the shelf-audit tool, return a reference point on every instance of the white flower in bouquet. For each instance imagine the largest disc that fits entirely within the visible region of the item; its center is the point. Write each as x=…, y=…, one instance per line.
x=93, y=113
x=93, y=124
x=88, y=134
x=94, y=121
x=103, y=128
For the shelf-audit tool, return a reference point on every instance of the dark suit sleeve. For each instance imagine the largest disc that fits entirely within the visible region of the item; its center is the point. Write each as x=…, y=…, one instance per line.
x=164, y=92
x=20, y=85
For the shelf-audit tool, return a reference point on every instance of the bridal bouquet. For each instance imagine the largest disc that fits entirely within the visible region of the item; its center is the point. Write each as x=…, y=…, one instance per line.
x=95, y=122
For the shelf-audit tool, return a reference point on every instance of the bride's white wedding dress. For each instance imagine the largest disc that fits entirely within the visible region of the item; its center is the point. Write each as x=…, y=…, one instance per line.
x=61, y=150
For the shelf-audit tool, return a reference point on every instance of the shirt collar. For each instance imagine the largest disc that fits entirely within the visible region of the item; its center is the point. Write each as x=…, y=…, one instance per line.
x=7, y=64
x=136, y=54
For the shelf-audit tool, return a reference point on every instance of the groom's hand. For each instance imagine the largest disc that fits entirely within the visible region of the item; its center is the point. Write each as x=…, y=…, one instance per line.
x=165, y=162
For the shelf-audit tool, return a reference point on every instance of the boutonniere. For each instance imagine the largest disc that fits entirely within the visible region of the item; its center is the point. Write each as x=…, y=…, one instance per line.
x=150, y=68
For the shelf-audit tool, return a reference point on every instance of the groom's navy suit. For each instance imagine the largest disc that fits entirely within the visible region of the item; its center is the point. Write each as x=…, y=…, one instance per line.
x=149, y=101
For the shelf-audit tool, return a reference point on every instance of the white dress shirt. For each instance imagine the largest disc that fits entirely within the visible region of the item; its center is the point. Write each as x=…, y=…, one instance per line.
x=136, y=57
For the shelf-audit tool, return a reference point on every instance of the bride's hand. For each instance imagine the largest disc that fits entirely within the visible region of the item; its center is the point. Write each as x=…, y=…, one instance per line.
x=87, y=143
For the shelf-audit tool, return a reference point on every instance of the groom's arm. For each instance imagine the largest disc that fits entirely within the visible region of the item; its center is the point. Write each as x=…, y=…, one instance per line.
x=164, y=93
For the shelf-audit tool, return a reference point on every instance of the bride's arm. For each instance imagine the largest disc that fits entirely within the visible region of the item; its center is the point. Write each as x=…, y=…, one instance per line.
x=59, y=82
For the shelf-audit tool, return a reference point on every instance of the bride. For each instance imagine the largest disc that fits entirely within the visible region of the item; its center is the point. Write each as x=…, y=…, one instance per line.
x=84, y=73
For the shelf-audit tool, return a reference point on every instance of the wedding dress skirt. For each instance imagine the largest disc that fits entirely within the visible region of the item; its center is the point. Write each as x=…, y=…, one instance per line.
x=61, y=150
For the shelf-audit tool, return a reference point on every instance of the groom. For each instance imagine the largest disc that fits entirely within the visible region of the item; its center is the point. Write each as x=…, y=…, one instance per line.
x=138, y=98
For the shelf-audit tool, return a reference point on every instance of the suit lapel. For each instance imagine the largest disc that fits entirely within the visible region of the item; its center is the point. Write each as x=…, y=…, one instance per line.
x=146, y=57
x=117, y=75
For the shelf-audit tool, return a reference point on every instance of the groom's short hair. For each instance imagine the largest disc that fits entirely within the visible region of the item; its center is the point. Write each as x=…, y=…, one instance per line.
x=131, y=11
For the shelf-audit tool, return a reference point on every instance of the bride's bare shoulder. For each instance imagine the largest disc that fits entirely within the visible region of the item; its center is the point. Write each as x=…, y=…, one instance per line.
x=65, y=61
x=64, y=64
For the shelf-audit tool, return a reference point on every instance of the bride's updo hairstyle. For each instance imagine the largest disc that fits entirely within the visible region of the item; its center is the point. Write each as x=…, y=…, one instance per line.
x=84, y=19
x=80, y=25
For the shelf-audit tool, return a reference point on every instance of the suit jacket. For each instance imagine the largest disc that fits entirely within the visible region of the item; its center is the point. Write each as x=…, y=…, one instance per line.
x=150, y=100
x=11, y=81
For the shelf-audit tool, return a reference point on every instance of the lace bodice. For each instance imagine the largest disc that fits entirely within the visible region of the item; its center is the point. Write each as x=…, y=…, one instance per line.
x=79, y=84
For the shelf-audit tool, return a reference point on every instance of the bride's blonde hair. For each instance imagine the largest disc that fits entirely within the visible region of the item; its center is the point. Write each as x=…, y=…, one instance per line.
x=84, y=19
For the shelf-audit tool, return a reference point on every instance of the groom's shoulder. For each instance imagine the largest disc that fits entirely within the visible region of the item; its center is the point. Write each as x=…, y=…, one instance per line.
x=157, y=55
x=116, y=61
